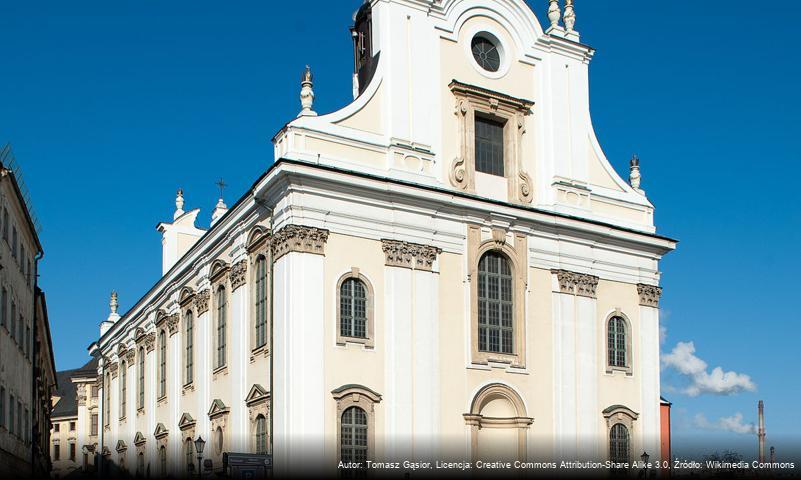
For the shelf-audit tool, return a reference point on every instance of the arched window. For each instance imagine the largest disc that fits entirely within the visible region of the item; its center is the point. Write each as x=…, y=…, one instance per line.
x=353, y=308
x=163, y=461
x=353, y=446
x=189, y=455
x=123, y=388
x=162, y=364
x=495, y=304
x=616, y=344
x=140, y=464
x=141, y=386
x=189, y=335
x=261, y=301
x=218, y=441
x=619, y=443
x=107, y=400
x=221, y=314
x=261, y=435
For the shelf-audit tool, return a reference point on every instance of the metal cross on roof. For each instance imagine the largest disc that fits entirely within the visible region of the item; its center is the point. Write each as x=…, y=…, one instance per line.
x=221, y=183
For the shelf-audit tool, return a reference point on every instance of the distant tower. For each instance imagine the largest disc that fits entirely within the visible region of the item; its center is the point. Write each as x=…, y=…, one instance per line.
x=772, y=454
x=761, y=431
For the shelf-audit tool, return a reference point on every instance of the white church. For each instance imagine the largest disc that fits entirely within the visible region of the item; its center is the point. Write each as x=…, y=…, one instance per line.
x=447, y=268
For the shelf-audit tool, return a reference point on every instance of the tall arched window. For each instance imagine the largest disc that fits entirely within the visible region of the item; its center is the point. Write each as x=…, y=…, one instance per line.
x=162, y=364
x=495, y=304
x=140, y=464
x=221, y=314
x=353, y=435
x=261, y=435
x=353, y=308
x=163, y=461
x=123, y=388
x=616, y=344
x=261, y=301
x=107, y=400
x=189, y=455
x=141, y=386
x=619, y=443
x=189, y=335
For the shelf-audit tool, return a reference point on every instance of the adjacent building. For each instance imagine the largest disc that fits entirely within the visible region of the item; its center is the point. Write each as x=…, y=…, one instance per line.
x=75, y=420
x=448, y=267
x=27, y=372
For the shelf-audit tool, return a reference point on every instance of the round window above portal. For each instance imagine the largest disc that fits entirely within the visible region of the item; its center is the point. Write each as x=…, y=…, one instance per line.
x=487, y=54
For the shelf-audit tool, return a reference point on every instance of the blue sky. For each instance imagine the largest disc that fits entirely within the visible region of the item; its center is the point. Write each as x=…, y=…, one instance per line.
x=111, y=106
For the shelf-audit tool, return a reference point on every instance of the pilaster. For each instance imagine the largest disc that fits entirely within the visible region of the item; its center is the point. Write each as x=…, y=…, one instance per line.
x=649, y=368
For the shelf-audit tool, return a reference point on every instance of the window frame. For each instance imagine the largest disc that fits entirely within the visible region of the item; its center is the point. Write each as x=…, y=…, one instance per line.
x=495, y=123
x=140, y=383
x=261, y=300
x=189, y=347
x=620, y=415
x=368, y=341
x=364, y=398
x=123, y=388
x=162, y=375
x=628, y=368
x=220, y=326
x=514, y=247
x=472, y=101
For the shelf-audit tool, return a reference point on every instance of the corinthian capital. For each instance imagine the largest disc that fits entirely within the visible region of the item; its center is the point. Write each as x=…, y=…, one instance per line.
x=409, y=255
x=579, y=284
x=649, y=295
x=298, y=238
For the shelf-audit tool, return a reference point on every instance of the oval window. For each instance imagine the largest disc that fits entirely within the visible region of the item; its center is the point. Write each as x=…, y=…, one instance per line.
x=486, y=53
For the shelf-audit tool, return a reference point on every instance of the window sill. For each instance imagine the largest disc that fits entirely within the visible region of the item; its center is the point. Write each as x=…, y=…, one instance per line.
x=140, y=412
x=123, y=419
x=263, y=351
x=498, y=360
x=368, y=342
x=621, y=370
x=189, y=387
x=161, y=400
x=220, y=371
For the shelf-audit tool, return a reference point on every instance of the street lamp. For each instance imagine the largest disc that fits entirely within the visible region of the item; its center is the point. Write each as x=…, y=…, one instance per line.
x=200, y=444
x=645, y=457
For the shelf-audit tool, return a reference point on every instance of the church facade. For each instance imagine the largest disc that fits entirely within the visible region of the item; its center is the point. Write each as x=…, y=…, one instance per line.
x=446, y=268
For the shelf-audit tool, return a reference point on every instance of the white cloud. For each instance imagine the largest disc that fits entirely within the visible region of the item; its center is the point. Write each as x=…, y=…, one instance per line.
x=718, y=382
x=729, y=424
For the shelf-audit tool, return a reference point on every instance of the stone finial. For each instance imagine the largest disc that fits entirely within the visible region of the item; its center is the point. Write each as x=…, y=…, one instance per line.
x=570, y=16
x=554, y=15
x=219, y=210
x=634, y=175
x=114, y=303
x=307, y=93
x=179, y=203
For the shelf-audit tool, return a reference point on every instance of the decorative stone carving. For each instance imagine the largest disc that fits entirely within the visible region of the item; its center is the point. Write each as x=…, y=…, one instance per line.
x=299, y=238
x=238, y=274
x=472, y=100
x=649, y=295
x=150, y=342
x=634, y=176
x=307, y=93
x=409, y=255
x=570, y=16
x=202, y=302
x=130, y=354
x=172, y=323
x=113, y=368
x=554, y=15
x=579, y=284
x=81, y=394
x=458, y=174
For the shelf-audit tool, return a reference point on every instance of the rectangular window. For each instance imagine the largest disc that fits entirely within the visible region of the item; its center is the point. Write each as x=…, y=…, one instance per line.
x=189, y=324
x=94, y=424
x=261, y=302
x=12, y=330
x=72, y=426
x=94, y=391
x=28, y=342
x=72, y=452
x=19, y=419
x=21, y=332
x=2, y=407
x=56, y=427
x=11, y=414
x=162, y=364
x=4, y=308
x=56, y=452
x=27, y=431
x=14, y=243
x=489, y=146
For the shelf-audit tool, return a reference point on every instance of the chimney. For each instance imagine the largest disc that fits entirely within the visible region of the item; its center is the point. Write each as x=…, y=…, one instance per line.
x=761, y=431
x=112, y=317
x=180, y=235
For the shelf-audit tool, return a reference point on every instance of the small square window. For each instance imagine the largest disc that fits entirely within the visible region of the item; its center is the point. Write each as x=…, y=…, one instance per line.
x=72, y=426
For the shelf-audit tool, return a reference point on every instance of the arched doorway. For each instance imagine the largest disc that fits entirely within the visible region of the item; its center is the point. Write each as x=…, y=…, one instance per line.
x=498, y=424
